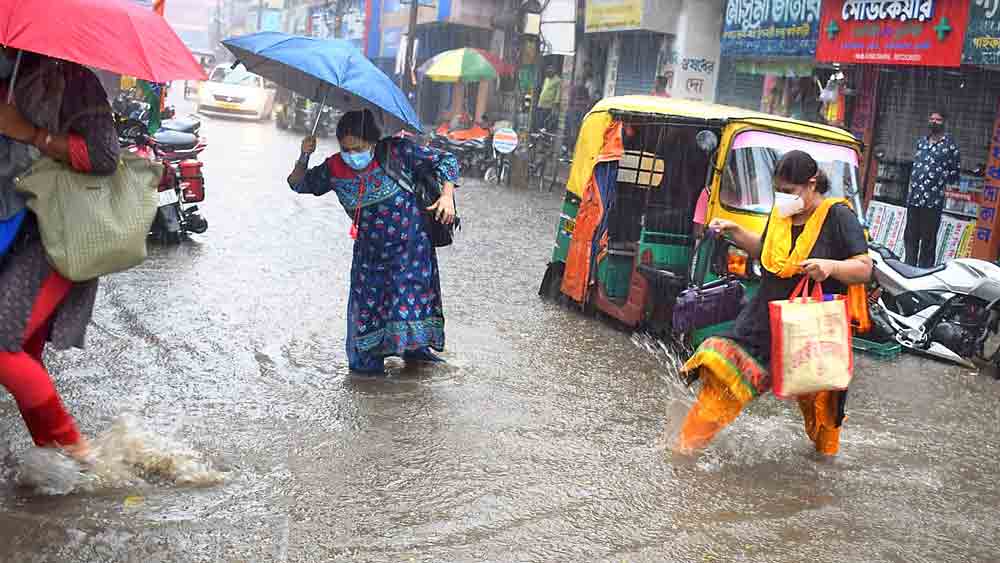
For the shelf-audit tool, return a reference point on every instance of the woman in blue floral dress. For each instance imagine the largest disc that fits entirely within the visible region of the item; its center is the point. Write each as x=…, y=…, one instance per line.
x=394, y=307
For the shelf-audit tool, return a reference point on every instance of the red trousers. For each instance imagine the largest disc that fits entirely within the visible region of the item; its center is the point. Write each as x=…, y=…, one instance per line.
x=23, y=374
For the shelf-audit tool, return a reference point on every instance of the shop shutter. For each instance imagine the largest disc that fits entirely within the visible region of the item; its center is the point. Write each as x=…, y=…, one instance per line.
x=738, y=89
x=637, y=62
x=969, y=96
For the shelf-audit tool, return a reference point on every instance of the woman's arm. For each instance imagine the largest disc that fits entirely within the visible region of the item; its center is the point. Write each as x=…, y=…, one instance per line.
x=302, y=164
x=857, y=269
x=749, y=241
x=91, y=140
x=445, y=165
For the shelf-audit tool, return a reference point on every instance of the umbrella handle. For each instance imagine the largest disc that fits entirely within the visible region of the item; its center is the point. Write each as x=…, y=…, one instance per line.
x=13, y=76
x=319, y=114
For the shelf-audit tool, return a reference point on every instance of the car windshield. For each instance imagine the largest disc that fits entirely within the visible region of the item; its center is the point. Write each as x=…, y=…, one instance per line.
x=747, y=182
x=238, y=76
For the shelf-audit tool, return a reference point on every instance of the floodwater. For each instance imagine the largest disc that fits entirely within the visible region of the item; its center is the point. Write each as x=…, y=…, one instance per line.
x=230, y=430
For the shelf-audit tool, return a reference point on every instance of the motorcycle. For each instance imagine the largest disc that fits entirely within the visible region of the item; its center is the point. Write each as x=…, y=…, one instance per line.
x=181, y=185
x=132, y=117
x=950, y=312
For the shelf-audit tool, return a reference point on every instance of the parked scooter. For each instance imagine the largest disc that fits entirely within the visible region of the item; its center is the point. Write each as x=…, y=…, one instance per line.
x=182, y=183
x=950, y=312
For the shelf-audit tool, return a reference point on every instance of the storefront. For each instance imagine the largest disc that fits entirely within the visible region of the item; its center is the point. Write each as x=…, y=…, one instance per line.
x=910, y=56
x=768, y=58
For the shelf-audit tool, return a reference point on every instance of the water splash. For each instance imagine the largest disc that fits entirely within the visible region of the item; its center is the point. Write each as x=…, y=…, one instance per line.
x=126, y=455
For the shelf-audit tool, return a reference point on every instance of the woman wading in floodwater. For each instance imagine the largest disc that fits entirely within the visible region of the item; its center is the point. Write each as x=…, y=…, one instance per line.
x=394, y=307
x=60, y=111
x=807, y=234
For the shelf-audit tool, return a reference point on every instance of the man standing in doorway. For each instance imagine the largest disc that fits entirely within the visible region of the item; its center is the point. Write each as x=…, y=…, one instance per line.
x=935, y=166
x=548, y=99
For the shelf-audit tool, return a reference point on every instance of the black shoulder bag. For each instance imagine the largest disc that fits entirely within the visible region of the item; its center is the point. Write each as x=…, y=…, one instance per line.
x=426, y=186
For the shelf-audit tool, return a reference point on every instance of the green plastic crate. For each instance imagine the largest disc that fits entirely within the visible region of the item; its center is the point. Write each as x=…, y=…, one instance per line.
x=886, y=351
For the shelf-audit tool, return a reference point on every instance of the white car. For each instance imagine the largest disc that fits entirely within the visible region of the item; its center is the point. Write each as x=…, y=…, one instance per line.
x=236, y=92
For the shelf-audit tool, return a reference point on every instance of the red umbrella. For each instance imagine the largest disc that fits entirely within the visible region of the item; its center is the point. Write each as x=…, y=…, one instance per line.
x=115, y=35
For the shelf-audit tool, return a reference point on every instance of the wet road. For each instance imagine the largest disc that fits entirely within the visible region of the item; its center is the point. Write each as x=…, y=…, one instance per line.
x=539, y=441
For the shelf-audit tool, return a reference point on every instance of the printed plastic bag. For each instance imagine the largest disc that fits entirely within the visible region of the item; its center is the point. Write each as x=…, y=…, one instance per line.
x=810, y=343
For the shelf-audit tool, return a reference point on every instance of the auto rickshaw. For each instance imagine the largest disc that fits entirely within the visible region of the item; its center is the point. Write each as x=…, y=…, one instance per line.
x=626, y=245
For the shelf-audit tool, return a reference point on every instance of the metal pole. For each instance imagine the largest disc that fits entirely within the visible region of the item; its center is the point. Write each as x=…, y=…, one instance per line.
x=411, y=40
x=319, y=114
x=13, y=77
x=260, y=15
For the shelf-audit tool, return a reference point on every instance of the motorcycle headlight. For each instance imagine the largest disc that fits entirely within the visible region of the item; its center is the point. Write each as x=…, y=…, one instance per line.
x=278, y=108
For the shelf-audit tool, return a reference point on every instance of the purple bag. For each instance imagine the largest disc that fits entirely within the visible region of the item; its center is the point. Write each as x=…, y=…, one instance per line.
x=703, y=305
x=710, y=304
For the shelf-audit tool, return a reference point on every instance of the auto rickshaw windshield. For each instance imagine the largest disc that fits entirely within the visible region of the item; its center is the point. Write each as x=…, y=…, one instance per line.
x=747, y=181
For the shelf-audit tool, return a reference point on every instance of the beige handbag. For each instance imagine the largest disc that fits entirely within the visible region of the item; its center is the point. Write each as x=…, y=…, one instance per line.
x=93, y=225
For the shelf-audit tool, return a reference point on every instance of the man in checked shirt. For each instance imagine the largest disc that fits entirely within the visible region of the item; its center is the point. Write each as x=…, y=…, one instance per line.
x=935, y=166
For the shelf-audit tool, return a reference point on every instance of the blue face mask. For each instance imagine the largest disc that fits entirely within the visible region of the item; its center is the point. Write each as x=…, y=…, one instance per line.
x=358, y=160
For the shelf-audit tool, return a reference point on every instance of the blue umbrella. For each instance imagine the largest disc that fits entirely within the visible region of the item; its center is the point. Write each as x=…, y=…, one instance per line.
x=329, y=71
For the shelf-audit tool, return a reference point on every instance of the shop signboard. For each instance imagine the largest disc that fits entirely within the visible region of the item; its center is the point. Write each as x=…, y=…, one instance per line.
x=613, y=15
x=954, y=239
x=982, y=39
x=886, y=224
x=893, y=32
x=987, y=241
x=771, y=28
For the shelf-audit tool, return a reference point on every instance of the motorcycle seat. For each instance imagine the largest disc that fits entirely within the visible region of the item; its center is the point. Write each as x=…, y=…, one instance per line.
x=175, y=140
x=181, y=124
x=911, y=272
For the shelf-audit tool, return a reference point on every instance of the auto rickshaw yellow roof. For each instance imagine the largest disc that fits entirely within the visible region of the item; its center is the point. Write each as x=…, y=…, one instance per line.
x=590, y=141
x=715, y=112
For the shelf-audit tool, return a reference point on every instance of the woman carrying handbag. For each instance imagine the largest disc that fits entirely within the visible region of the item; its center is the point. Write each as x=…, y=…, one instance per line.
x=809, y=235
x=60, y=111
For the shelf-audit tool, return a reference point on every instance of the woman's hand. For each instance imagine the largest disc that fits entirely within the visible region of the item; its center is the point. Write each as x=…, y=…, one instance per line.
x=444, y=209
x=309, y=145
x=724, y=227
x=14, y=125
x=818, y=269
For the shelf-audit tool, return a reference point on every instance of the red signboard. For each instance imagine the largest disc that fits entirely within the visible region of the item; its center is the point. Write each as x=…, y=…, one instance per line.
x=893, y=32
x=987, y=241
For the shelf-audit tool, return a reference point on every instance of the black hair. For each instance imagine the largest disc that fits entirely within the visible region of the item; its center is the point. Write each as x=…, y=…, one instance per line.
x=797, y=167
x=360, y=124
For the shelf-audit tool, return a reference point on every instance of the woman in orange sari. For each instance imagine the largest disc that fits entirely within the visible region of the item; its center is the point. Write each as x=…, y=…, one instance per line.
x=806, y=235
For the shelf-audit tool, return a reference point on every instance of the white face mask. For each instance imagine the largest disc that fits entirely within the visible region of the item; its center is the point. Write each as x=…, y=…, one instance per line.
x=788, y=205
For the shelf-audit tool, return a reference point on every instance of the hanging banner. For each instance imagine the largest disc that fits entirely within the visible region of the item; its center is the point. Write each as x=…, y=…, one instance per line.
x=771, y=28
x=987, y=242
x=895, y=32
x=982, y=39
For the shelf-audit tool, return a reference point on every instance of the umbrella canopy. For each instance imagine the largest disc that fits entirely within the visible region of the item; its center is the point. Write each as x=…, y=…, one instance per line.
x=114, y=35
x=464, y=65
x=330, y=71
